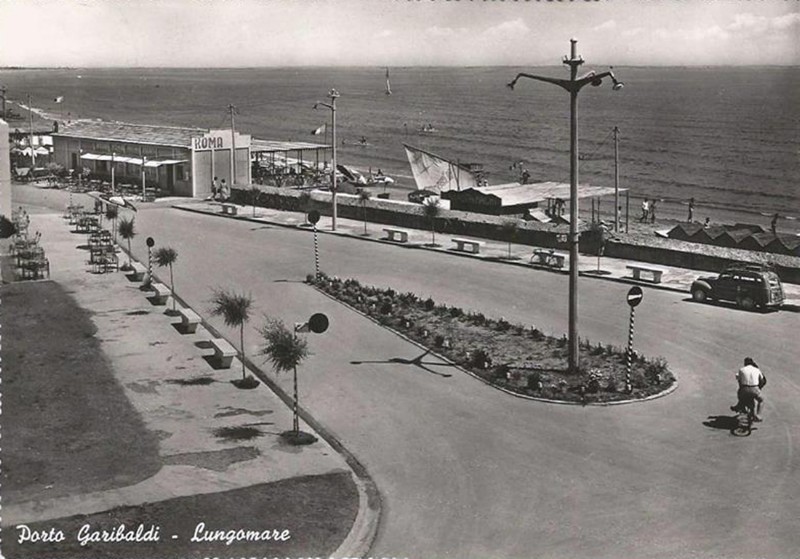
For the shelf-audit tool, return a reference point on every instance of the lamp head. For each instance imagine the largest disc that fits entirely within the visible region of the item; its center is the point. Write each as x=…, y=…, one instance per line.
x=617, y=85
x=316, y=105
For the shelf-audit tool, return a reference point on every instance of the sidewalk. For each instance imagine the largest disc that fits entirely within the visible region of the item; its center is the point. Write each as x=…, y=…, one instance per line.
x=166, y=376
x=609, y=269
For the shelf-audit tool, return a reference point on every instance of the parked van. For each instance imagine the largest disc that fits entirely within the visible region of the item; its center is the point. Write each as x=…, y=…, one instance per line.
x=750, y=286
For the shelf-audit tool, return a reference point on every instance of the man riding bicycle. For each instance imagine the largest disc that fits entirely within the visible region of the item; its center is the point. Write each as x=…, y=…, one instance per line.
x=751, y=381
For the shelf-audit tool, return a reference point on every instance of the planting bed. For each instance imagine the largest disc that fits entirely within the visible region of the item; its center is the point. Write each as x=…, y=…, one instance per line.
x=515, y=357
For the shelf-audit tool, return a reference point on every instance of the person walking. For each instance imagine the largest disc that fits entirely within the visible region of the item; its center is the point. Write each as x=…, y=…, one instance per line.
x=774, y=224
x=691, y=209
x=653, y=211
x=645, y=211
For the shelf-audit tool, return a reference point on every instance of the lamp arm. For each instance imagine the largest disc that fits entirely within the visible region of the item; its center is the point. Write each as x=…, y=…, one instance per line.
x=589, y=78
x=323, y=105
x=560, y=83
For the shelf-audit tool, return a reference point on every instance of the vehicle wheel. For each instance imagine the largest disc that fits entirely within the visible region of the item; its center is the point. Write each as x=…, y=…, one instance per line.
x=747, y=303
x=699, y=295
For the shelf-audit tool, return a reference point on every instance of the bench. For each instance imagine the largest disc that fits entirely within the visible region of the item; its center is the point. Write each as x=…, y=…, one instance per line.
x=467, y=245
x=548, y=258
x=223, y=352
x=162, y=292
x=189, y=320
x=398, y=235
x=137, y=271
x=638, y=269
x=230, y=209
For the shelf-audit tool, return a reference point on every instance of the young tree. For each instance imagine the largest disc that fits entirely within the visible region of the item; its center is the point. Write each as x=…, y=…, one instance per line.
x=285, y=350
x=127, y=231
x=431, y=210
x=235, y=311
x=363, y=197
x=167, y=256
x=112, y=212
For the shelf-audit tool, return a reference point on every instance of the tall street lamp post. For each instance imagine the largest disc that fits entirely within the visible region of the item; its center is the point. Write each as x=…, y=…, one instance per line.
x=333, y=94
x=573, y=85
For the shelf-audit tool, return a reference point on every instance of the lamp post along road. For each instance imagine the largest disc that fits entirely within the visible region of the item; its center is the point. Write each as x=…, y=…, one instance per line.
x=573, y=85
x=333, y=94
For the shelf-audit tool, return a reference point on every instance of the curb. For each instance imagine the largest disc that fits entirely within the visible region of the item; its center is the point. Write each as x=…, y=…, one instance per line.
x=665, y=392
x=629, y=281
x=362, y=534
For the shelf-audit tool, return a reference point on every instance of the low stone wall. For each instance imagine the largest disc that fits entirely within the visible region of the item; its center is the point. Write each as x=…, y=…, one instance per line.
x=656, y=250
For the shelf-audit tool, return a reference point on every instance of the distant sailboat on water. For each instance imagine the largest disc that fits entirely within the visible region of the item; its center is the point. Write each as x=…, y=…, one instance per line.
x=388, y=86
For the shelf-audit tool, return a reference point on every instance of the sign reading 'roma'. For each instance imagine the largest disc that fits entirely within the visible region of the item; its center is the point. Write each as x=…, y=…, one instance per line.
x=208, y=142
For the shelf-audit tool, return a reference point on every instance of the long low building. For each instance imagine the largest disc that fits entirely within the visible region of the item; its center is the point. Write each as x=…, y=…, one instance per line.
x=173, y=161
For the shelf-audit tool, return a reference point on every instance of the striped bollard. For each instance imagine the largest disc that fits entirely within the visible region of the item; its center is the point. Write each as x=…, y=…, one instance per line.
x=149, y=277
x=634, y=298
x=313, y=217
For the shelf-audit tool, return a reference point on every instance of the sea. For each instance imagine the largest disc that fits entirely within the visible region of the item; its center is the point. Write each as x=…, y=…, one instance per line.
x=725, y=136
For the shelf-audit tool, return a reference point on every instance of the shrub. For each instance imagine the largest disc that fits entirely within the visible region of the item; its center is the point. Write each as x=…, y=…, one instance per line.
x=310, y=279
x=429, y=304
x=480, y=359
x=501, y=372
x=612, y=385
x=535, y=381
x=562, y=341
x=456, y=312
x=438, y=340
x=503, y=325
x=386, y=307
x=537, y=334
x=593, y=386
x=478, y=319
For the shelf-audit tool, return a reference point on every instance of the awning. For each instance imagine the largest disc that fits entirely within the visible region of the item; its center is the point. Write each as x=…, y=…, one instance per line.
x=131, y=160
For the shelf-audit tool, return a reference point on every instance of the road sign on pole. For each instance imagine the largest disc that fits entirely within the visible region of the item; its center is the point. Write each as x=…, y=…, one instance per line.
x=634, y=298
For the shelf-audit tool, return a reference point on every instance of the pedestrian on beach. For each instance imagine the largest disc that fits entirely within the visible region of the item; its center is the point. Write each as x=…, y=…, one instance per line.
x=691, y=209
x=774, y=224
x=653, y=211
x=707, y=224
x=645, y=211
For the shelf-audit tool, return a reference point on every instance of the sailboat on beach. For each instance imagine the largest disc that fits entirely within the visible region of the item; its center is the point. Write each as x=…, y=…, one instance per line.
x=388, y=86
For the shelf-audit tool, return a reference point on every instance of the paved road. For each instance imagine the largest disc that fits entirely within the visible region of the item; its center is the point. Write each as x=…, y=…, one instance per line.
x=467, y=471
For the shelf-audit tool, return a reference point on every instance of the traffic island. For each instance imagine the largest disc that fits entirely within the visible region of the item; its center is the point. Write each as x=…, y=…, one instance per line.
x=517, y=358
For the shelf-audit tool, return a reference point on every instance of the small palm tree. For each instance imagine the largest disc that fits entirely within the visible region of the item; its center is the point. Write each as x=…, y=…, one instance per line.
x=235, y=311
x=363, y=197
x=255, y=192
x=431, y=210
x=285, y=350
x=127, y=231
x=510, y=229
x=111, y=213
x=167, y=256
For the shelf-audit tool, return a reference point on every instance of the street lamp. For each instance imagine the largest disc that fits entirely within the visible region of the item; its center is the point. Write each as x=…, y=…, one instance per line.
x=573, y=86
x=333, y=94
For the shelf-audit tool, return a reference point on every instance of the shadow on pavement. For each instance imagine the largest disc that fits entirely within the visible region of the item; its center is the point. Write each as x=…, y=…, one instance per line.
x=417, y=361
x=724, y=422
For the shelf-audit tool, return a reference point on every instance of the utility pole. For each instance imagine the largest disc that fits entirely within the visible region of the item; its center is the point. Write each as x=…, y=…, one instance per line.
x=30, y=120
x=573, y=86
x=616, y=179
x=233, y=146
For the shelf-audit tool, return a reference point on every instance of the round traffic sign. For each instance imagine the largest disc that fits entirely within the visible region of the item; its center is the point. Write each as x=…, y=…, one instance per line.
x=318, y=323
x=150, y=242
x=635, y=296
x=313, y=216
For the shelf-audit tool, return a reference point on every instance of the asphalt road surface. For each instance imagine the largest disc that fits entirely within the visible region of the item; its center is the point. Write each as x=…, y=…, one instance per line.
x=467, y=471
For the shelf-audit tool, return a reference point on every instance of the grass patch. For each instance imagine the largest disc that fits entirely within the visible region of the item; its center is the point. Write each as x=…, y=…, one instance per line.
x=64, y=414
x=317, y=510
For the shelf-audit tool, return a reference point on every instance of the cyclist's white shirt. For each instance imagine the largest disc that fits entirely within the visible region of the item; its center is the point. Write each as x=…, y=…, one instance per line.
x=748, y=376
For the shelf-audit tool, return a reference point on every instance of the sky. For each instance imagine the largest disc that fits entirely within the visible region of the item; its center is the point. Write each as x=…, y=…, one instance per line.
x=247, y=33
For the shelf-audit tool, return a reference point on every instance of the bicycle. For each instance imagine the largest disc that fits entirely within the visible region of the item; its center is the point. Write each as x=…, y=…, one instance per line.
x=745, y=420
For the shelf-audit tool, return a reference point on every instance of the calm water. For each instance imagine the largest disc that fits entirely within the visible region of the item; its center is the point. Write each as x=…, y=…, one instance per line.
x=725, y=136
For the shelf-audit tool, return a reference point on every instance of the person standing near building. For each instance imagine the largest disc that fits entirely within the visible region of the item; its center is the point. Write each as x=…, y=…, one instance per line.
x=224, y=191
x=214, y=189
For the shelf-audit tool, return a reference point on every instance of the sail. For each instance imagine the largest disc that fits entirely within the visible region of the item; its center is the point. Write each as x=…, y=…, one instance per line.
x=432, y=172
x=388, y=87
